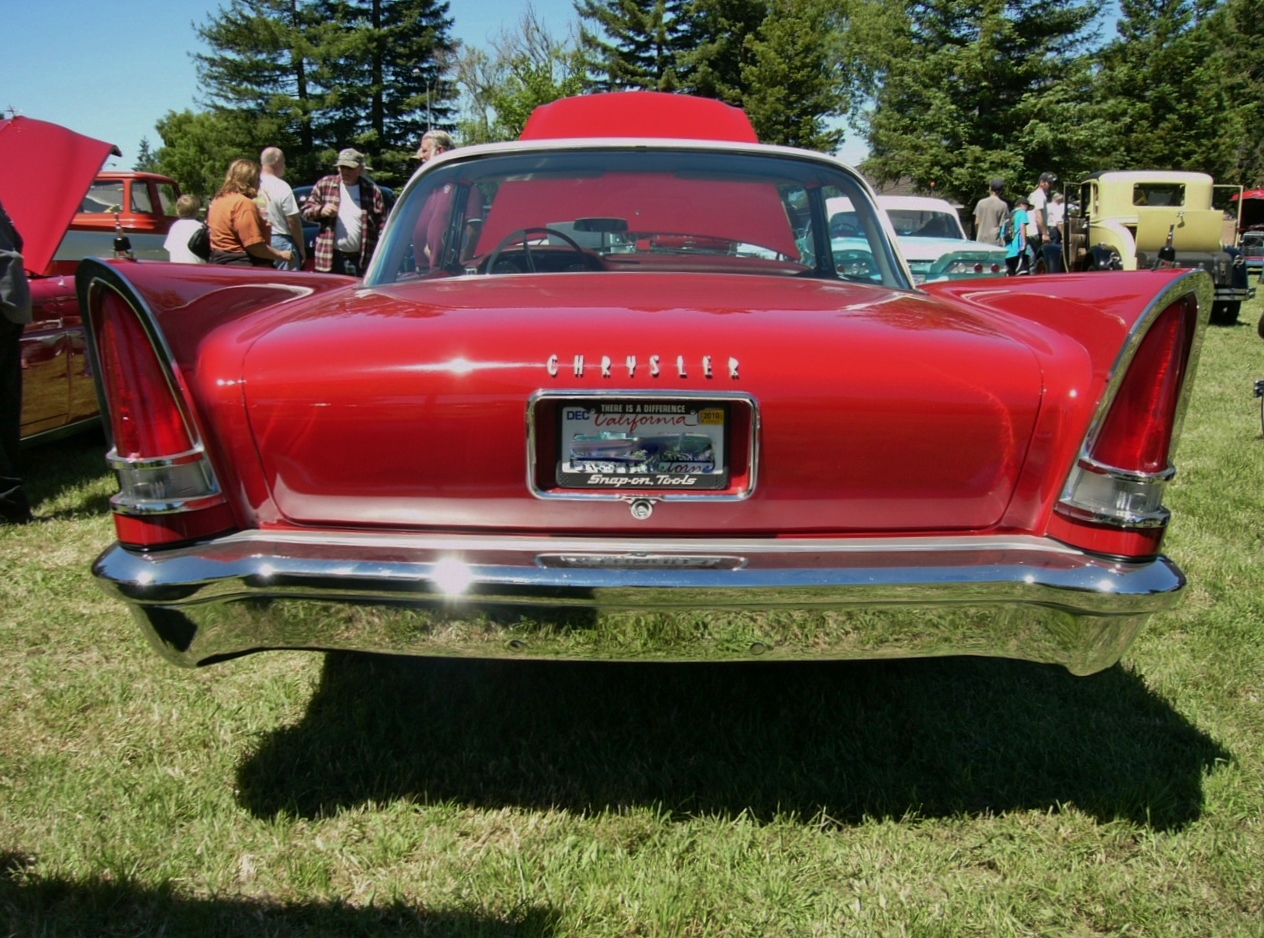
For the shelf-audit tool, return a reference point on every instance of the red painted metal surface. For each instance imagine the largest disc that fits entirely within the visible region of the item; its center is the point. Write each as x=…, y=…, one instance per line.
x=57, y=388
x=42, y=198
x=406, y=407
x=639, y=114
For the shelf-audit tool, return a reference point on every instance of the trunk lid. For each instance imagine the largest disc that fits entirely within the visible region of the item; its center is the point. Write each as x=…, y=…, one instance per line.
x=437, y=404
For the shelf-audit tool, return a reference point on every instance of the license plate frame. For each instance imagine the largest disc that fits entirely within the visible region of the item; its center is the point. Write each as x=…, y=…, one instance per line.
x=634, y=444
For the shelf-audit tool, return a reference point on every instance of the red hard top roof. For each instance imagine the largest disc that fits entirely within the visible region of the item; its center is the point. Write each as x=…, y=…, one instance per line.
x=48, y=172
x=639, y=114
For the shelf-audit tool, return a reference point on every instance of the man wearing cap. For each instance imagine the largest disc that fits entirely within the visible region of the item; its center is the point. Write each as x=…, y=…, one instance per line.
x=989, y=212
x=1038, y=217
x=350, y=210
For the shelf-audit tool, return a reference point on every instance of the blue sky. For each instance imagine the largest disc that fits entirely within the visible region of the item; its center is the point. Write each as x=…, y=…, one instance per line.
x=112, y=69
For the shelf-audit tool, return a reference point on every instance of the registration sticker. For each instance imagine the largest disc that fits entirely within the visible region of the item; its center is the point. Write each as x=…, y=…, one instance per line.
x=629, y=445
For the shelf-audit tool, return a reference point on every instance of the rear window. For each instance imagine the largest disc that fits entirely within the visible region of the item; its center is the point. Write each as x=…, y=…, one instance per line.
x=627, y=210
x=1154, y=194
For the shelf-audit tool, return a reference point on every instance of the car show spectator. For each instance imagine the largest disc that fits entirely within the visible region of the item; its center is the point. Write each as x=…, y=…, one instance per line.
x=434, y=142
x=239, y=235
x=989, y=212
x=1056, y=223
x=1016, y=258
x=15, y=313
x=350, y=210
x=431, y=228
x=279, y=209
x=182, y=229
x=1037, y=222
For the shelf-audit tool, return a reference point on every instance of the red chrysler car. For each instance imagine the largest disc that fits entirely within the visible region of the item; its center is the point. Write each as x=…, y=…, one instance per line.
x=608, y=392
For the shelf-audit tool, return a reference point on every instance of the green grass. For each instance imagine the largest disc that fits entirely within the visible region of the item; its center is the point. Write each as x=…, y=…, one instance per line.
x=294, y=794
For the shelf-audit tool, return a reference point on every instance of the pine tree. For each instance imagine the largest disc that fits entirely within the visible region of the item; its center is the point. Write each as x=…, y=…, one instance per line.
x=1161, y=76
x=385, y=65
x=715, y=39
x=261, y=59
x=1239, y=30
x=635, y=43
x=792, y=81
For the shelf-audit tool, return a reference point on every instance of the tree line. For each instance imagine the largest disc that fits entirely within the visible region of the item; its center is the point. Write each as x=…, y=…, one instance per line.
x=946, y=93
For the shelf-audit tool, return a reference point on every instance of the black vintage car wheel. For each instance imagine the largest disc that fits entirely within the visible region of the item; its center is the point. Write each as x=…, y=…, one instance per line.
x=1225, y=313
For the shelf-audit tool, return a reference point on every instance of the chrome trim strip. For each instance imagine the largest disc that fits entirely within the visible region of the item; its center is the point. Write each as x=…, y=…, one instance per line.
x=137, y=507
x=1020, y=597
x=115, y=461
x=1124, y=475
x=1154, y=519
x=650, y=494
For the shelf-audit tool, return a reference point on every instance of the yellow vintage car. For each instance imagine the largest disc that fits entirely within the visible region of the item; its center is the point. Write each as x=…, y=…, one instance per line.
x=1143, y=219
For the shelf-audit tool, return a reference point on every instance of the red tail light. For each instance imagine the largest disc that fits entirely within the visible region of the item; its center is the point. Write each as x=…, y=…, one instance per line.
x=1137, y=432
x=167, y=488
x=1113, y=499
x=137, y=384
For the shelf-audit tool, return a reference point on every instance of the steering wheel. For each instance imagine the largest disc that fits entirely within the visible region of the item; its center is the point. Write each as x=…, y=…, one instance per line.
x=522, y=234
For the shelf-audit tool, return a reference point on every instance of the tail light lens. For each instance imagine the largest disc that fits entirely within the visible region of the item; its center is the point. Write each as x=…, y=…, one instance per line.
x=1113, y=499
x=167, y=488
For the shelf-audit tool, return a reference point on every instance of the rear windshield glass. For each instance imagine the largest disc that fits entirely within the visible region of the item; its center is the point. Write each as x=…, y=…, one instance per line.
x=625, y=210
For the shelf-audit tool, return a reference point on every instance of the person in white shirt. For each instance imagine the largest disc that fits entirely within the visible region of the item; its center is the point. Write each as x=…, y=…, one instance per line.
x=1038, y=217
x=182, y=229
x=279, y=209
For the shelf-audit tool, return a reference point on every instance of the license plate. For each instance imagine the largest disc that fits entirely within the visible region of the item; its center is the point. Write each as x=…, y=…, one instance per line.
x=630, y=445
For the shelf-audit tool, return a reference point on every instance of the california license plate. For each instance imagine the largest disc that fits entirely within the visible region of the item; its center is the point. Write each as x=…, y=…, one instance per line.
x=635, y=444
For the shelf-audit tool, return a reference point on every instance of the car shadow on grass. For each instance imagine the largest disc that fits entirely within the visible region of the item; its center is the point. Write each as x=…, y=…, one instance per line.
x=51, y=470
x=842, y=740
x=34, y=905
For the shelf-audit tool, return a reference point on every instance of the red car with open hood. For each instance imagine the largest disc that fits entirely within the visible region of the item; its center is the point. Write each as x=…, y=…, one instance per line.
x=57, y=390
x=609, y=392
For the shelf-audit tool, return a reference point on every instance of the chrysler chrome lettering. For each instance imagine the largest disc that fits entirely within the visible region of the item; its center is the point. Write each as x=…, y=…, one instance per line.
x=631, y=363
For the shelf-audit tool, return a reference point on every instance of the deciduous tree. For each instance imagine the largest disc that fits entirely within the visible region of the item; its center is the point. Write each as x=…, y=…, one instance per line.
x=971, y=89
x=792, y=81
x=527, y=67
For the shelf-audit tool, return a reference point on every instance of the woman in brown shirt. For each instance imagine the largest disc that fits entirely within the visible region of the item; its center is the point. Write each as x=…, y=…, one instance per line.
x=239, y=234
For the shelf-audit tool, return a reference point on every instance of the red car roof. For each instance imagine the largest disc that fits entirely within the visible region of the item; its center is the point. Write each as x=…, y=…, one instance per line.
x=639, y=114
x=60, y=166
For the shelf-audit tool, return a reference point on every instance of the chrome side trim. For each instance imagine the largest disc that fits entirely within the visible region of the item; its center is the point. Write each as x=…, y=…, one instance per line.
x=115, y=461
x=1126, y=475
x=1019, y=597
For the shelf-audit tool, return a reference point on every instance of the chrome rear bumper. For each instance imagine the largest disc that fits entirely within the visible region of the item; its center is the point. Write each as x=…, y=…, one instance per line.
x=709, y=599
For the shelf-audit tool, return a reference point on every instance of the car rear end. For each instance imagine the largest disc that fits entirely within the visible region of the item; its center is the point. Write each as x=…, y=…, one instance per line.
x=675, y=444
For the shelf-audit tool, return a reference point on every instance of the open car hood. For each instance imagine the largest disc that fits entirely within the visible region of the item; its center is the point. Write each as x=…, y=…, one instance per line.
x=42, y=206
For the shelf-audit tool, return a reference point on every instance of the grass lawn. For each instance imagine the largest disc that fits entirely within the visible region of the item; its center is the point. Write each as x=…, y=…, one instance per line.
x=306, y=794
